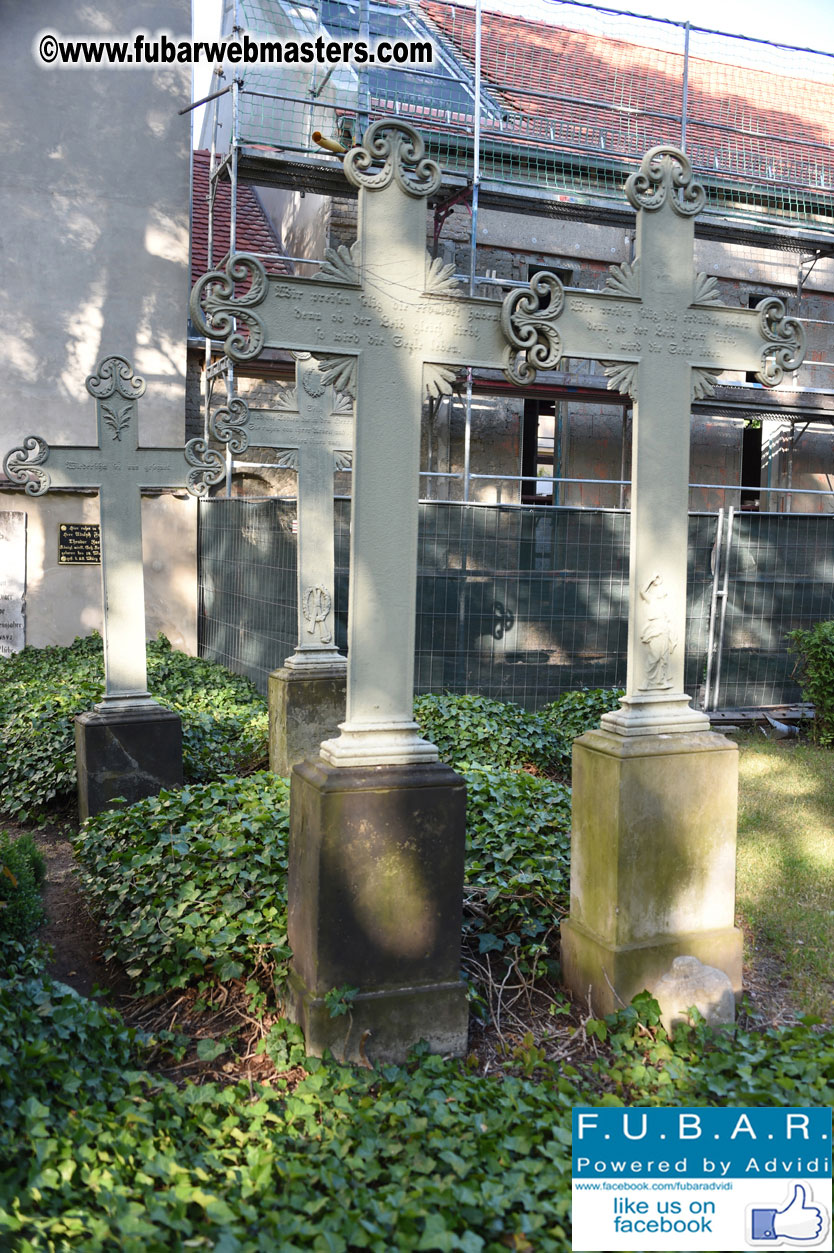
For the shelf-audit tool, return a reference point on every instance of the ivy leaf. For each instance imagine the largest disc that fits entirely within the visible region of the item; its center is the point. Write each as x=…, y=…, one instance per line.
x=208, y=1050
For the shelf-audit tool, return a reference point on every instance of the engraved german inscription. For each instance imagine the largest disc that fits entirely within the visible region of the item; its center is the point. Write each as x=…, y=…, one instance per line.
x=79, y=544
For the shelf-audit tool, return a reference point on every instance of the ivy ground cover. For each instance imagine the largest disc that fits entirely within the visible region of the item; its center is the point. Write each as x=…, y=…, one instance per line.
x=99, y=1152
x=224, y=718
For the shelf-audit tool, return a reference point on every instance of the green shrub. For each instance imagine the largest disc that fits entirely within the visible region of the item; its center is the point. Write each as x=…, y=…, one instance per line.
x=815, y=651
x=191, y=884
x=477, y=728
x=224, y=719
x=573, y=713
x=499, y=733
x=517, y=862
x=22, y=872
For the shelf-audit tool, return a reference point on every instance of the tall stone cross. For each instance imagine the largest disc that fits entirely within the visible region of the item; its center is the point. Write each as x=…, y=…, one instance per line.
x=117, y=468
x=312, y=426
x=662, y=336
x=386, y=325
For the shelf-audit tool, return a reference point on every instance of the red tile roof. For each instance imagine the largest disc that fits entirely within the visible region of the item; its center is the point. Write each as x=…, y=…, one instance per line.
x=253, y=230
x=604, y=94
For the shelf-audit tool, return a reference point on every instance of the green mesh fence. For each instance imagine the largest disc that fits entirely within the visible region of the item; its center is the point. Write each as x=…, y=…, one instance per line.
x=569, y=102
x=780, y=577
x=246, y=563
x=524, y=603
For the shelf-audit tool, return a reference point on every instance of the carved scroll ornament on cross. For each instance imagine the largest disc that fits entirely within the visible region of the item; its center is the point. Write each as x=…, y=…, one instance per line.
x=24, y=465
x=115, y=377
x=666, y=173
x=401, y=151
x=785, y=349
x=208, y=467
x=528, y=320
x=215, y=308
x=530, y=315
x=228, y=424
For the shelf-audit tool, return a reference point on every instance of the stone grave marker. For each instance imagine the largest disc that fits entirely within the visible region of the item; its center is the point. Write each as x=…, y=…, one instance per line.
x=12, y=582
x=377, y=823
x=654, y=791
x=128, y=745
x=311, y=425
x=387, y=327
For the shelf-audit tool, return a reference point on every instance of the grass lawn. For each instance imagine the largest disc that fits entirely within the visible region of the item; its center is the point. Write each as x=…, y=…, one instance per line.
x=785, y=877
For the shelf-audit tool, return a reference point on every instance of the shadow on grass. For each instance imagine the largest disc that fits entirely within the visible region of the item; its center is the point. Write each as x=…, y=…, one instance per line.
x=785, y=877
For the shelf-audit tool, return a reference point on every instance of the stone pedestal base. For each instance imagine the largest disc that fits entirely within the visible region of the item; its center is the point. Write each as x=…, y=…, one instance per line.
x=375, y=903
x=652, y=862
x=305, y=707
x=126, y=752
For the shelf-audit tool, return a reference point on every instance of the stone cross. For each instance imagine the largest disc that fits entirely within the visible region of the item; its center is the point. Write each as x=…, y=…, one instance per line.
x=662, y=336
x=386, y=327
x=386, y=324
x=312, y=425
x=117, y=468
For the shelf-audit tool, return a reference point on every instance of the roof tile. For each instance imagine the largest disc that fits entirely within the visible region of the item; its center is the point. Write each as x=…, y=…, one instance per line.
x=253, y=231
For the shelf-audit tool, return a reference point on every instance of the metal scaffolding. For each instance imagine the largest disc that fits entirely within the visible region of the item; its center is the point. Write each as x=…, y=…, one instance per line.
x=540, y=127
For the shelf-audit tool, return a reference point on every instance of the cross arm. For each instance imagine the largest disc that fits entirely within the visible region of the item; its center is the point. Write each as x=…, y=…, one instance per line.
x=39, y=467
x=274, y=312
x=342, y=318
x=543, y=322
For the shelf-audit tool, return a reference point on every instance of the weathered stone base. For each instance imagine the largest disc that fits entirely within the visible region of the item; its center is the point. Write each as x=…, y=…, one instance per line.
x=305, y=707
x=605, y=977
x=375, y=903
x=652, y=862
x=129, y=753
x=383, y=1026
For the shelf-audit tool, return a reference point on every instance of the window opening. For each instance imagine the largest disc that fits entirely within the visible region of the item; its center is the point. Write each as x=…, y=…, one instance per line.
x=751, y=467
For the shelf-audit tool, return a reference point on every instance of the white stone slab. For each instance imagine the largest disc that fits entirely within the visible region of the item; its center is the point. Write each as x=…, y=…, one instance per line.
x=12, y=582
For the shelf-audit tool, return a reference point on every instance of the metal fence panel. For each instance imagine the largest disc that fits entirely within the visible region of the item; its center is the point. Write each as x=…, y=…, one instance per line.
x=525, y=603
x=515, y=603
x=247, y=572
x=781, y=576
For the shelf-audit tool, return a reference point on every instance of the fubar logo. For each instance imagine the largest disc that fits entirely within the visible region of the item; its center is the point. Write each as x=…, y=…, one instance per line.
x=710, y=1178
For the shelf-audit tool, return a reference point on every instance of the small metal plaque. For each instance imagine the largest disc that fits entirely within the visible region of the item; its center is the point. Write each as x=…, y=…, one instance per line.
x=79, y=544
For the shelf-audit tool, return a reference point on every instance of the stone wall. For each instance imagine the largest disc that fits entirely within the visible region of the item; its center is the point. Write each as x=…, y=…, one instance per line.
x=63, y=601
x=94, y=210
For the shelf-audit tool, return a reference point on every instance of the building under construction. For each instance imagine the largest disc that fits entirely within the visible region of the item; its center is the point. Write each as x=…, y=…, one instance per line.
x=536, y=124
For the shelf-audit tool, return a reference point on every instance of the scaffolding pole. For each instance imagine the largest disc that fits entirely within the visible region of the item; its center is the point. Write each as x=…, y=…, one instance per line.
x=685, y=85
